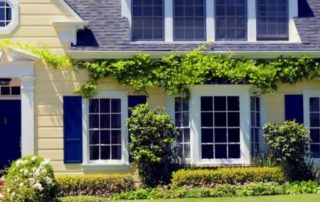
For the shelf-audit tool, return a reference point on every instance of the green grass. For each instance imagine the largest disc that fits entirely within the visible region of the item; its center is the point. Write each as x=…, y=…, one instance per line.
x=291, y=198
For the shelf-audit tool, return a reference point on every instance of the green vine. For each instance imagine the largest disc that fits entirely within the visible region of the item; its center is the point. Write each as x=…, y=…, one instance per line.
x=176, y=73
x=55, y=60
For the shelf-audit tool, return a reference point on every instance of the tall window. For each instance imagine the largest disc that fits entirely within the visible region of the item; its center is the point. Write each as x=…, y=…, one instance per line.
x=147, y=20
x=314, y=103
x=105, y=129
x=220, y=127
x=231, y=20
x=182, y=125
x=272, y=20
x=5, y=13
x=189, y=20
x=255, y=125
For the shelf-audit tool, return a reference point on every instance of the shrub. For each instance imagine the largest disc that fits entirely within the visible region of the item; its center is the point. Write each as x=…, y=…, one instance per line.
x=94, y=185
x=288, y=144
x=152, y=134
x=211, y=178
x=252, y=189
x=30, y=178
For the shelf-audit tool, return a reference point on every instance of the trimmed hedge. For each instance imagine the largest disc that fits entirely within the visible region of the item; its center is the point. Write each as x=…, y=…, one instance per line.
x=94, y=185
x=82, y=199
x=233, y=176
x=227, y=190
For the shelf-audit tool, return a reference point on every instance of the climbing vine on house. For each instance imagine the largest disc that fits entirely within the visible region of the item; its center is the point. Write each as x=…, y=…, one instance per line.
x=176, y=73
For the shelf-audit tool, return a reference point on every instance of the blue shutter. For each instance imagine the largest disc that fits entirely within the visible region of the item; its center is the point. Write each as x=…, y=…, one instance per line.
x=72, y=120
x=134, y=100
x=294, y=108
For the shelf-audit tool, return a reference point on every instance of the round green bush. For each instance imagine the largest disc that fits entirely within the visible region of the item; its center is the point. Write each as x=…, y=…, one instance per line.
x=29, y=179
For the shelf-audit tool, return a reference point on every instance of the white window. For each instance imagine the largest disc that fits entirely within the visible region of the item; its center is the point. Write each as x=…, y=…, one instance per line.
x=272, y=20
x=189, y=20
x=220, y=117
x=9, y=16
x=147, y=20
x=212, y=20
x=105, y=137
x=182, y=124
x=105, y=129
x=231, y=20
x=311, y=102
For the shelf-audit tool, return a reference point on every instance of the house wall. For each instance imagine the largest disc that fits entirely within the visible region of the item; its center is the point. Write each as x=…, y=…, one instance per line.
x=36, y=17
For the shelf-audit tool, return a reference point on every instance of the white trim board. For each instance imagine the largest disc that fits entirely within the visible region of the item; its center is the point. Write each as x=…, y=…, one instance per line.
x=24, y=71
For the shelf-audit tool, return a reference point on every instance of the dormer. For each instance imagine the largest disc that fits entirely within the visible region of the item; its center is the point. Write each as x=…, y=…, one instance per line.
x=219, y=21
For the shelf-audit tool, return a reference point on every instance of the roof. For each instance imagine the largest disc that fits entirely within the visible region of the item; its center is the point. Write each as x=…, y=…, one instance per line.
x=109, y=31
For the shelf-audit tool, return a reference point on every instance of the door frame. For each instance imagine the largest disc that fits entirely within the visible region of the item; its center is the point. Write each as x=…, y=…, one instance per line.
x=24, y=70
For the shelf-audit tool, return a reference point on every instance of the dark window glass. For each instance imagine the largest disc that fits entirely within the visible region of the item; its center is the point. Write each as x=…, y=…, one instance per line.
x=5, y=14
x=5, y=90
x=182, y=125
x=220, y=127
x=255, y=125
x=147, y=20
x=104, y=127
x=189, y=20
x=231, y=20
x=272, y=20
x=15, y=91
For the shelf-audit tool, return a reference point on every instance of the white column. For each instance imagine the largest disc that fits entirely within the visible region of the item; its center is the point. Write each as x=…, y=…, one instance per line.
x=245, y=136
x=27, y=116
x=168, y=20
x=252, y=22
x=210, y=20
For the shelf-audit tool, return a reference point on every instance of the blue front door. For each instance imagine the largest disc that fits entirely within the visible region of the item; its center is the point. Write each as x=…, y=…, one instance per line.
x=10, y=131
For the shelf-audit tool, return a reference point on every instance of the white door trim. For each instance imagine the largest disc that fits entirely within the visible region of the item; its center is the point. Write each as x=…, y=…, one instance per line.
x=24, y=71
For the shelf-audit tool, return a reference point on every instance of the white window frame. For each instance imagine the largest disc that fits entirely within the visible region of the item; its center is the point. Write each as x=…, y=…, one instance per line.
x=307, y=94
x=15, y=18
x=122, y=164
x=243, y=92
x=210, y=23
x=170, y=107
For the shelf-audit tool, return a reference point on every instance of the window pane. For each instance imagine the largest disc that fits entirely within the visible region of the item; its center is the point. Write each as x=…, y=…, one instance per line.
x=147, y=20
x=272, y=20
x=189, y=20
x=220, y=126
x=314, y=104
x=207, y=152
x=234, y=151
x=231, y=20
x=105, y=129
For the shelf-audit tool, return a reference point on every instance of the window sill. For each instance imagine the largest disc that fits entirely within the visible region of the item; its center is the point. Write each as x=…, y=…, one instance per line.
x=105, y=167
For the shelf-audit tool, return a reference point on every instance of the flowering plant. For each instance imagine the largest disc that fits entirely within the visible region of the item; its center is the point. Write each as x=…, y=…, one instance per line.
x=30, y=178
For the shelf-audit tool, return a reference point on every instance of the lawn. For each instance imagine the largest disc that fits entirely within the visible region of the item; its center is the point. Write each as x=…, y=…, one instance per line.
x=291, y=198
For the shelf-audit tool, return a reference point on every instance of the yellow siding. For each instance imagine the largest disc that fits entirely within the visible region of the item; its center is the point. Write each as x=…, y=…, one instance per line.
x=275, y=102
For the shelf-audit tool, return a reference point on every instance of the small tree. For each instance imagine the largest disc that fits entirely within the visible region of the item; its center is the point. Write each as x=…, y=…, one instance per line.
x=152, y=134
x=288, y=143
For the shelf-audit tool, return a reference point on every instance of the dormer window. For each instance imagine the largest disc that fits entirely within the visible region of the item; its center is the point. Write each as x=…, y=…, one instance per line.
x=231, y=20
x=189, y=20
x=147, y=20
x=9, y=16
x=272, y=20
x=212, y=20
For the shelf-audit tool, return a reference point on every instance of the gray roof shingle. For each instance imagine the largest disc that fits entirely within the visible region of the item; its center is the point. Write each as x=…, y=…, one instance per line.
x=110, y=32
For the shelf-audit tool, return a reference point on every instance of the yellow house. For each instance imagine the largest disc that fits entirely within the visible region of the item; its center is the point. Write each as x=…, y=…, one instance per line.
x=41, y=115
